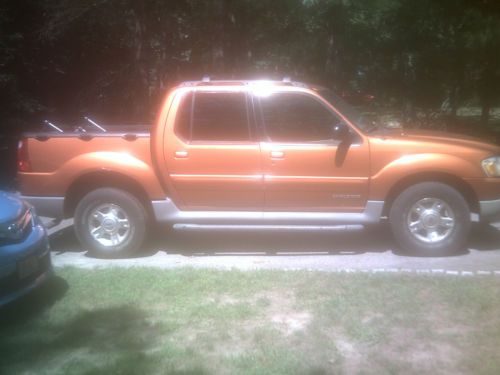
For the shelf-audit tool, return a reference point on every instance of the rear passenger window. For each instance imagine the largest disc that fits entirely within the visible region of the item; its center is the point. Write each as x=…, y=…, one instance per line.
x=220, y=116
x=213, y=116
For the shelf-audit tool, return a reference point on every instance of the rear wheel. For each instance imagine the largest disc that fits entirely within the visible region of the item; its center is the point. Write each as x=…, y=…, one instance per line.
x=430, y=218
x=110, y=222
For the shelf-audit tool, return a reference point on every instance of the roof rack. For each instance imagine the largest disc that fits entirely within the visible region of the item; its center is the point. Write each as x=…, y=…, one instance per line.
x=206, y=81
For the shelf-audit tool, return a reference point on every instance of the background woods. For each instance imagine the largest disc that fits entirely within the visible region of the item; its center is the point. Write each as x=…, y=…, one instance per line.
x=114, y=59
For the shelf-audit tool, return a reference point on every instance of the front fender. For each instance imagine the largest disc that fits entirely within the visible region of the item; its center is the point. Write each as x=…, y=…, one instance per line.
x=420, y=164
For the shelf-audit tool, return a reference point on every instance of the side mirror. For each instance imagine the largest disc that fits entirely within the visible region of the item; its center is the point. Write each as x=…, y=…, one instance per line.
x=340, y=131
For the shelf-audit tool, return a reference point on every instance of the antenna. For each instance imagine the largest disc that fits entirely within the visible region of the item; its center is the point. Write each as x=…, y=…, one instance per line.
x=95, y=124
x=53, y=126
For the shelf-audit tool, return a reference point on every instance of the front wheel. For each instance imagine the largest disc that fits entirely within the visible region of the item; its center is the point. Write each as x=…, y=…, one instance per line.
x=430, y=218
x=110, y=222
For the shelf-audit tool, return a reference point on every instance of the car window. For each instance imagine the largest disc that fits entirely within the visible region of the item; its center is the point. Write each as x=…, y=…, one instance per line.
x=290, y=117
x=352, y=113
x=220, y=117
x=213, y=116
x=183, y=117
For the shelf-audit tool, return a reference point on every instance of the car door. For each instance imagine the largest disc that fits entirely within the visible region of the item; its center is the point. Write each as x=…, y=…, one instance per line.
x=305, y=168
x=214, y=162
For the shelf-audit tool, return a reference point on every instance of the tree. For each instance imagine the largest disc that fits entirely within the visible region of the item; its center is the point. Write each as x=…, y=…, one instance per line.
x=115, y=58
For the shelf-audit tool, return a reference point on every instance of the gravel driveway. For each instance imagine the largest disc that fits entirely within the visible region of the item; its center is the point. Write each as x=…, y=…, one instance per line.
x=337, y=249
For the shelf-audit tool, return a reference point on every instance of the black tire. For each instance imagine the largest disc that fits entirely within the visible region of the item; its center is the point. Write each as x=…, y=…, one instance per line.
x=110, y=222
x=430, y=218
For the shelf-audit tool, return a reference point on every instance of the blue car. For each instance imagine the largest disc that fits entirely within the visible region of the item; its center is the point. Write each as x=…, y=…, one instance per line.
x=24, y=249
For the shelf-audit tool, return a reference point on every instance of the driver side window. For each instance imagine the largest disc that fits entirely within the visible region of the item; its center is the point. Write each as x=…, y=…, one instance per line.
x=290, y=117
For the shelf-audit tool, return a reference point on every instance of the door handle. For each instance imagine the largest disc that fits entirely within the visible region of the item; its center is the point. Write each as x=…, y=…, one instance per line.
x=277, y=155
x=181, y=154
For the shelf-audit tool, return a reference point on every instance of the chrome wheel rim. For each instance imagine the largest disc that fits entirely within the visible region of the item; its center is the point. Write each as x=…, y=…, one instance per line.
x=431, y=220
x=109, y=225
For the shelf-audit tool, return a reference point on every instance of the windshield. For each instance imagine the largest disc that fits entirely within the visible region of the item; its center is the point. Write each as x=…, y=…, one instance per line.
x=353, y=114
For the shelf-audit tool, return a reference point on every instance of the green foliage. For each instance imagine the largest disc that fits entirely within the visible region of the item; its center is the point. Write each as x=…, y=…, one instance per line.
x=116, y=58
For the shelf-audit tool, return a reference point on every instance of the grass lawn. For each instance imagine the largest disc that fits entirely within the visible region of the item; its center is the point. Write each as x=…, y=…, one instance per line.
x=186, y=321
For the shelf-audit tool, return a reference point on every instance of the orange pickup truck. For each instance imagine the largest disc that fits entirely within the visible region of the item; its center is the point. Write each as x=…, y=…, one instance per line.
x=253, y=153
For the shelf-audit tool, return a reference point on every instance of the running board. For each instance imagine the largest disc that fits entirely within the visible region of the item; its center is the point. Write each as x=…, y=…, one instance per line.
x=166, y=211
x=284, y=228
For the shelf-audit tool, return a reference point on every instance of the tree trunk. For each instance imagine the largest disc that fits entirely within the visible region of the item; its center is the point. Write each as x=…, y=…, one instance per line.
x=485, y=111
x=486, y=92
x=140, y=55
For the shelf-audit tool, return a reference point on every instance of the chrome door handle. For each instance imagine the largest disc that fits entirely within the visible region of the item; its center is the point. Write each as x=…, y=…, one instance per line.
x=277, y=154
x=181, y=154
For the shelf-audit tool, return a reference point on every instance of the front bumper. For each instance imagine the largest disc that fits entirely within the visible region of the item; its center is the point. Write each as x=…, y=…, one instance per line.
x=490, y=211
x=34, y=251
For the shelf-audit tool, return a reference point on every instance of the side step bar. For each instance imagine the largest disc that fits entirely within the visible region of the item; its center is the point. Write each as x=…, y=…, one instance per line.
x=274, y=228
x=167, y=212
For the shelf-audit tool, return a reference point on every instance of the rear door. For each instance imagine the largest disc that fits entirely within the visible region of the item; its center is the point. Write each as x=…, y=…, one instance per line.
x=215, y=161
x=305, y=168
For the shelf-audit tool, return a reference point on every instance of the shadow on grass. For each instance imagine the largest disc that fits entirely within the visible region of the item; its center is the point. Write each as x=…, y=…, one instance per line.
x=372, y=239
x=115, y=328
x=33, y=304
x=111, y=340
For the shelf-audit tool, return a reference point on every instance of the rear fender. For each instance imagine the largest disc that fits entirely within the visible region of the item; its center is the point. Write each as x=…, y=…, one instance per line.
x=58, y=182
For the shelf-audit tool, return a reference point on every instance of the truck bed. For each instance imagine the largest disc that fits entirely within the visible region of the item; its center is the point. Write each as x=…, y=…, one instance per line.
x=57, y=159
x=113, y=130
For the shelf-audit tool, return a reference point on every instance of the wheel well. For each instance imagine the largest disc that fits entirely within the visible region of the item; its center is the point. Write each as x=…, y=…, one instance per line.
x=85, y=184
x=453, y=181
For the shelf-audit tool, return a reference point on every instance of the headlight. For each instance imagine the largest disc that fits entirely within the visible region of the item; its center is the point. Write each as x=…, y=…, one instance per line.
x=491, y=166
x=17, y=229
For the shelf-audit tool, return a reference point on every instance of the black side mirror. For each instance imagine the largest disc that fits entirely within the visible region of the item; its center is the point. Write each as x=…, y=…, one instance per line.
x=340, y=131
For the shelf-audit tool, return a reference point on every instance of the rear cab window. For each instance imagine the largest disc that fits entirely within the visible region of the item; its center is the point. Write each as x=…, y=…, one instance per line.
x=211, y=116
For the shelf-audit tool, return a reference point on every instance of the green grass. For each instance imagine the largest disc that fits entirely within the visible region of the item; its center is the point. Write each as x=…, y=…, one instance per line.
x=186, y=321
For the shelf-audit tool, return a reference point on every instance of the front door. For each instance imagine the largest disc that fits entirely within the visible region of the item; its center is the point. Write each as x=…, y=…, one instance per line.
x=305, y=168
